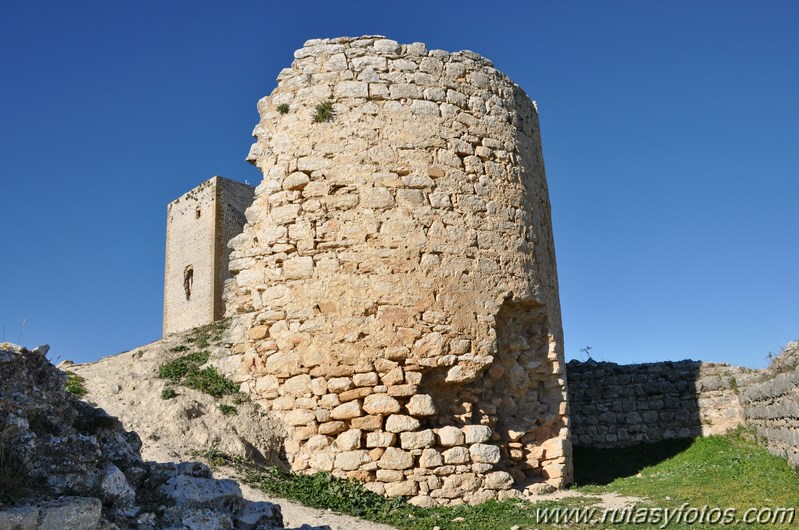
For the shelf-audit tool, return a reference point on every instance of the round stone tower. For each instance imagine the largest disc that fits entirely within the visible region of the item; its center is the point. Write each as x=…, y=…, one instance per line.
x=394, y=290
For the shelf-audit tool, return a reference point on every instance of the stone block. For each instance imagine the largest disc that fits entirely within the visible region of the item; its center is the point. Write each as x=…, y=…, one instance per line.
x=476, y=433
x=456, y=455
x=355, y=393
x=379, y=439
x=400, y=423
x=346, y=411
x=421, y=405
x=406, y=488
x=395, y=458
x=381, y=404
x=499, y=480
x=368, y=423
x=349, y=440
x=431, y=458
x=351, y=460
x=332, y=427
x=299, y=267
x=484, y=453
x=367, y=379
x=450, y=436
x=296, y=181
x=417, y=440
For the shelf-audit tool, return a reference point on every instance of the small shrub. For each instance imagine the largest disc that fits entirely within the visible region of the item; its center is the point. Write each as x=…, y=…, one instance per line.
x=323, y=112
x=283, y=108
x=75, y=385
x=178, y=349
x=179, y=368
x=168, y=393
x=228, y=410
x=186, y=371
x=219, y=458
x=210, y=381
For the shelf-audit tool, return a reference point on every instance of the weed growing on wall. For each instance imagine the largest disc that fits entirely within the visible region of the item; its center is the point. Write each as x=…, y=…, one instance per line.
x=323, y=112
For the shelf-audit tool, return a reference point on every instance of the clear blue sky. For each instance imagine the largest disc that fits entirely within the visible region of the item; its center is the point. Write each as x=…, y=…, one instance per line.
x=669, y=129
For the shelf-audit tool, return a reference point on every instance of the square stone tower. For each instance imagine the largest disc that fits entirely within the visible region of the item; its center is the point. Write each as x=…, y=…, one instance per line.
x=199, y=225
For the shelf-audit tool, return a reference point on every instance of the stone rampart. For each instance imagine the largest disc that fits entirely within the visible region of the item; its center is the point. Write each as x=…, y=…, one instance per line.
x=771, y=407
x=394, y=290
x=614, y=405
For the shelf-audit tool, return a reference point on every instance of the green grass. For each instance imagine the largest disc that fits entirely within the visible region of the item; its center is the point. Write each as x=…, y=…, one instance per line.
x=176, y=369
x=228, y=410
x=168, y=393
x=721, y=471
x=729, y=471
x=186, y=371
x=210, y=381
x=321, y=490
x=75, y=385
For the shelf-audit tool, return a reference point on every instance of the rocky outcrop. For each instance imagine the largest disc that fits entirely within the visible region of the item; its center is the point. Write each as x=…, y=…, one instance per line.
x=128, y=386
x=67, y=464
x=395, y=293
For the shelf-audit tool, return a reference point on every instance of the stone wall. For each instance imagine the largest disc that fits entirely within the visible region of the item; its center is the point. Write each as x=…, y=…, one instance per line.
x=395, y=291
x=199, y=225
x=771, y=406
x=615, y=405
x=232, y=200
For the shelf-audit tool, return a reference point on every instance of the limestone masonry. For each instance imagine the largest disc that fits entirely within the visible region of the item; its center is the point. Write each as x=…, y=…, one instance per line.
x=616, y=405
x=199, y=225
x=394, y=290
x=771, y=405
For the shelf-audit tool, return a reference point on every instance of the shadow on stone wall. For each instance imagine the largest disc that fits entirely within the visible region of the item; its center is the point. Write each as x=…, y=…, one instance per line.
x=613, y=405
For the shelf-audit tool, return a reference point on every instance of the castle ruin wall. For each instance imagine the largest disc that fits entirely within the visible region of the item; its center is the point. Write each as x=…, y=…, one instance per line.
x=613, y=405
x=771, y=408
x=394, y=289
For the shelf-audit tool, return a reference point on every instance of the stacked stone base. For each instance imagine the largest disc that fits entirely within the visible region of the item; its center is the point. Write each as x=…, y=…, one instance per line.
x=379, y=428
